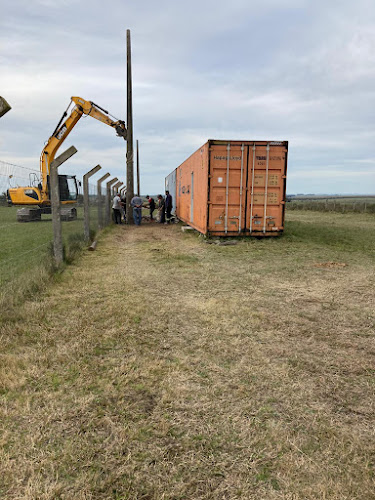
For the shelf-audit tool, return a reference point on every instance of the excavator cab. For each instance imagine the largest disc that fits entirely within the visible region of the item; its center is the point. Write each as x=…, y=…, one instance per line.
x=68, y=188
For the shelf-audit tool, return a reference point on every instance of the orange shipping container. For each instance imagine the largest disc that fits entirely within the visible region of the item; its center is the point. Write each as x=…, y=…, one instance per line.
x=231, y=188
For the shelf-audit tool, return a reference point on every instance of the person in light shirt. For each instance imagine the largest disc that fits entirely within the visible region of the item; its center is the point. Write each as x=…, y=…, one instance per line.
x=137, y=203
x=116, y=208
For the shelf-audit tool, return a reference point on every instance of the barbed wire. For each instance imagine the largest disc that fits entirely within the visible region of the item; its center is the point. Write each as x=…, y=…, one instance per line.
x=6, y=163
x=12, y=175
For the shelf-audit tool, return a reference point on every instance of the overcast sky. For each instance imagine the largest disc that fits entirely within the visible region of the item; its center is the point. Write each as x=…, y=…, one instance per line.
x=296, y=70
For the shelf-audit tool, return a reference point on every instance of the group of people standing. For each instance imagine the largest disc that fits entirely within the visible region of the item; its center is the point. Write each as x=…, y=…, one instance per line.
x=164, y=208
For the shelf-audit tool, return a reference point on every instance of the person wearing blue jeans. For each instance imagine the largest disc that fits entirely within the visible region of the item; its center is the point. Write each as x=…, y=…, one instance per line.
x=137, y=203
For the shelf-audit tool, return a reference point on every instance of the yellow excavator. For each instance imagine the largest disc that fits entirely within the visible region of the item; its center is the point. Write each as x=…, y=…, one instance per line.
x=37, y=194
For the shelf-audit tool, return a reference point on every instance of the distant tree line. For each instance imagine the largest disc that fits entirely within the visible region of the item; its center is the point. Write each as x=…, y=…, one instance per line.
x=333, y=205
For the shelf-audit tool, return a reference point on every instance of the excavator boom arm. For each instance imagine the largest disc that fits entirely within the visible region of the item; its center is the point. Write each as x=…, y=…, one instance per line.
x=64, y=128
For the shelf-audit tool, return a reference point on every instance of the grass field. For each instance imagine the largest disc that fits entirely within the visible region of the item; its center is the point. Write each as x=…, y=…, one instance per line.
x=25, y=247
x=163, y=367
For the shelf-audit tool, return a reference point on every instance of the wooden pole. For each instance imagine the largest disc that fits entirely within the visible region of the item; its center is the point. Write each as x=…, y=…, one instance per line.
x=138, y=185
x=55, y=204
x=86, y=201
x=129, y=140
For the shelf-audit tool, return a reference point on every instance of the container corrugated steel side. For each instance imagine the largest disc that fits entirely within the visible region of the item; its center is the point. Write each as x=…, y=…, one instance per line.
x=170, y=185
x=229, y=188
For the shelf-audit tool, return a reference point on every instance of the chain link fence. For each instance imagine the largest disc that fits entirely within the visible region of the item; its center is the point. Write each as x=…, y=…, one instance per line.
x=13, y=176
x=26, y=248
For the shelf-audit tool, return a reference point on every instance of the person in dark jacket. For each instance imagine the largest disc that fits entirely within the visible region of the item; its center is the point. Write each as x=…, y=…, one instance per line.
x=151, y=204
x=161, y=209
x=168, y=206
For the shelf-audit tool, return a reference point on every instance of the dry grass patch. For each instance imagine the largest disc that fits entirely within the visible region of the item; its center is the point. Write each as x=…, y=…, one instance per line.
x=331, y=264
x=163, y=368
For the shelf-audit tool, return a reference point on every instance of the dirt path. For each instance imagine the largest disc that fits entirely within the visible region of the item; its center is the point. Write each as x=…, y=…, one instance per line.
x=162, y=367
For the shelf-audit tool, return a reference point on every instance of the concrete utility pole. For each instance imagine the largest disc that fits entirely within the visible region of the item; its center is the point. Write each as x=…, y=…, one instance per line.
x=116, y=187
x=55, y=204
x=138, y=185
x=86, y=201
x=100, y=200
x=129, y=139
x=108, y=200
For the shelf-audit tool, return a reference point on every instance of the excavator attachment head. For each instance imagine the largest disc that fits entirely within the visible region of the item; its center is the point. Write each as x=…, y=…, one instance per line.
x=121, y=130
x=4, y=106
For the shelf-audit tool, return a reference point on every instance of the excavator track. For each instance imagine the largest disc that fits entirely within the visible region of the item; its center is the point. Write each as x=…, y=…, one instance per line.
x=68, y=214
x=35, y=214
x=29, y=214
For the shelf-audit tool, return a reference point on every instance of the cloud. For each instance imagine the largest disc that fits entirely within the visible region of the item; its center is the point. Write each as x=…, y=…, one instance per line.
x=292, y=70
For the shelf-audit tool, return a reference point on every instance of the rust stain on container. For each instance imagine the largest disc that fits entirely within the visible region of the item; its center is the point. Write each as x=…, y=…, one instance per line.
x=231, y=188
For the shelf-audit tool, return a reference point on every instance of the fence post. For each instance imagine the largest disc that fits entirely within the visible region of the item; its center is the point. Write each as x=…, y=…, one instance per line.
x=113, y=190
x=138, y=183
x=86, y=201
x=55, y=204
x=115, y=187
x=129, y=137
x=108, y=200
x=100, y=200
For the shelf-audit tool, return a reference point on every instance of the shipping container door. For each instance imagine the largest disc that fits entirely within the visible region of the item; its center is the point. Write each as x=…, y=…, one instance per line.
x=227, y=188
x=266, y=187
x=171, y=186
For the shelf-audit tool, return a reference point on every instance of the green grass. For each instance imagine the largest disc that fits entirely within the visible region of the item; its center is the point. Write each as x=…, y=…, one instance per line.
x=345, y=233
x=24, y=247
x=26, y=254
